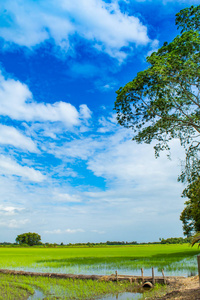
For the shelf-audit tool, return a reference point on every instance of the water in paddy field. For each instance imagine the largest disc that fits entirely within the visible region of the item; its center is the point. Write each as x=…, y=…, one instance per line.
x=37, y=295
x=185, y=267
x=174, y=266
x=123, y=296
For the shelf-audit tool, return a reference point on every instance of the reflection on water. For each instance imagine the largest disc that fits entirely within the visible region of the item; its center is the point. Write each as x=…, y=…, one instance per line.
x=123, y=296
x=37, y=295
x=184, y=267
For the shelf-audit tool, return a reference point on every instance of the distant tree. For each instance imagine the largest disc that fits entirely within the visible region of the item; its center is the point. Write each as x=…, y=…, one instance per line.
x=175, y=240
x=29, y=238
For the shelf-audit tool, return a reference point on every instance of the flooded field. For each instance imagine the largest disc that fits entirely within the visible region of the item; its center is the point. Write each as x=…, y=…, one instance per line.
x=176, y=260
x=176, y=264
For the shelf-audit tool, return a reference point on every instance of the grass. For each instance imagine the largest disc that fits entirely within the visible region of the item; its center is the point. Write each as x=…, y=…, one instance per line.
x=16, y=287
x=102, y=260
x=12, y=289
x=87, y=260
x=157, y=292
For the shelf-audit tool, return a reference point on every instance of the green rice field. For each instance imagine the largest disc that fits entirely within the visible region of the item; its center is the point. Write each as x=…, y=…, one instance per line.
x=174, y=259
x=16, y=287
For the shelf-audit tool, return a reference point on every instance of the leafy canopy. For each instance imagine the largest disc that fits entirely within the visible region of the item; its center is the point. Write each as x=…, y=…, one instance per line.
x=163, y=102
x=190, y=216
x=29, y=238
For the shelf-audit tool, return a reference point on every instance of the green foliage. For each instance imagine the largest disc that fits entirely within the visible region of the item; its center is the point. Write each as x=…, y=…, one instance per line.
x=30, y=238
x=179, y=240
x=196, y=239
x=162, y=102
x=190, y=216
x=188, y=18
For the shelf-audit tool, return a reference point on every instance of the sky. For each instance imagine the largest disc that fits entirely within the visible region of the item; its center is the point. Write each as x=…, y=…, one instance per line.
x=68, y=171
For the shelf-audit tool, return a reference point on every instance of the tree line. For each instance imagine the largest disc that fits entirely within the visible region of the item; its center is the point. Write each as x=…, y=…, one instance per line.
x=34, y=239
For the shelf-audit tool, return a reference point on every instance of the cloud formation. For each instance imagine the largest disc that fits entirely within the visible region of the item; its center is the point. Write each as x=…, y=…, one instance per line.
x=102, y=24
x=16, y=102
x=9, y=167
x=11, y=136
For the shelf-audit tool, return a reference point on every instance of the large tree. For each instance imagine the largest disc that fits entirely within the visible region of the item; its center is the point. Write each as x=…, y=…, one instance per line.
x=190, y=216
x=163, y=102
x=30, y=238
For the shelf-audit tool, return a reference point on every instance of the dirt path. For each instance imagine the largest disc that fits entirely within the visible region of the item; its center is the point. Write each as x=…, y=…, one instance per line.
x=184, y=288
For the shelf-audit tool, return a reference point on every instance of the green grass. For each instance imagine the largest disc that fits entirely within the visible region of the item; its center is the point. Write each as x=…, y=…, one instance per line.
x=13, y=289
x=101, y=260
x=17, y=287
x=110, y=258
x=157, y=292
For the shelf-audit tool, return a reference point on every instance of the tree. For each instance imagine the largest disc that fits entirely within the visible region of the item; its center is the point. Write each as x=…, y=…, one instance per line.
x=190, y=216
x=196, y=239
x=163, y=102
x=28, y=238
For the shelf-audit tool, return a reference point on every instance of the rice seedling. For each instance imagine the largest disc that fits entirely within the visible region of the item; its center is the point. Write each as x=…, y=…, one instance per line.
x=157, y=292
x=16, y=287
x=175, y=259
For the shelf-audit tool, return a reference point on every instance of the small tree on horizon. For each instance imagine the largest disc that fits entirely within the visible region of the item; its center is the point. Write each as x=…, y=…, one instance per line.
x=30, y=238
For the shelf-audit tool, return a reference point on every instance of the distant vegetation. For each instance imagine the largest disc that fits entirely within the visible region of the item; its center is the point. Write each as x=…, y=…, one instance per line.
x=30, y=239
x=179, y=240
x=33, y=239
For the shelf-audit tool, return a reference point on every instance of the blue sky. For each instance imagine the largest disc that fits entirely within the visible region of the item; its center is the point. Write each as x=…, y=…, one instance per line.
x=68, y=171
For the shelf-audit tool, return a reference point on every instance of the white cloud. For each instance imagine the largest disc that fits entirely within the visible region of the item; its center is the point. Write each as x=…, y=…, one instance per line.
x=67, y=198
x=10, y=210
x=10, y=167
x=59, y=231
x=80, y=148
x=16, y=101
x=55, y=231
x=85, y=112
x=74, y=230
x=137, y=192
x=14, y=223
x=122, y=159
x=11, y=136
x=103, y=24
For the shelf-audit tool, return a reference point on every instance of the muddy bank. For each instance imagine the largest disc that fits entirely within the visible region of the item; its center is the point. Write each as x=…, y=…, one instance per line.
x=113, y=277
x=183, y=289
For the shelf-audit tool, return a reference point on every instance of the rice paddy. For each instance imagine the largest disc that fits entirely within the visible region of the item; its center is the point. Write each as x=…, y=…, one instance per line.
x=174, y=259
x=14, y=287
